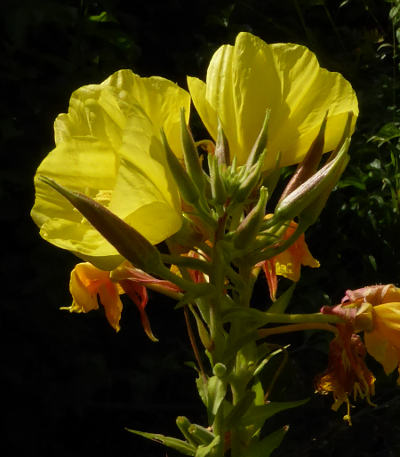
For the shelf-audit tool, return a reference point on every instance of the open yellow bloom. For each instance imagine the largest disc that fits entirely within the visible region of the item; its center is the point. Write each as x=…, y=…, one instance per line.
x=246, y=79
x=108, y=146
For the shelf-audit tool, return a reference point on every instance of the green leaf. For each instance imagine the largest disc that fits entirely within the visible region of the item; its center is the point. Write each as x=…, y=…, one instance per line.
x=179, y=445
x=280, y=305
x=212, y=392
x=260, y=414
x=206, y=450
x=237, y=412
x=265, y=447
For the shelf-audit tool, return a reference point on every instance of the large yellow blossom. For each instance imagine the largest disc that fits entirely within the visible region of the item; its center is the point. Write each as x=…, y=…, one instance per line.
x=246, y=79
x=108, y=146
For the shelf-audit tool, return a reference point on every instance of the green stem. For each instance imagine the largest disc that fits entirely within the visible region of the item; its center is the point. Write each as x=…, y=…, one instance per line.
x=278, y=318
x=264, y=332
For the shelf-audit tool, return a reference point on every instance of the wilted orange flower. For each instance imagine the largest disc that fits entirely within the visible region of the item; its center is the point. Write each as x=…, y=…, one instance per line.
x=380, y=322
x=288, y=263
x=88, y=284
x=347, y=373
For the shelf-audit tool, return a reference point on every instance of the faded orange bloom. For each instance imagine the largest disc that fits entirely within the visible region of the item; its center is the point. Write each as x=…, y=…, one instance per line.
x=87, y=285
x=133, y=282
x=288, y=263
x=380, y=322
x=347, y=373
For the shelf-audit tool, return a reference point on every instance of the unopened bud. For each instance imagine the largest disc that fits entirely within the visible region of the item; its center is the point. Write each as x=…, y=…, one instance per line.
x=221, y=146
x=321, y=182
x=191, y=156
x=261, y=142
x=126, y=240
x=187, y=189
x=218, y=190
x=309, y=165
x=249, y=227
x=200, y=434
x=250, y=181
x=219, y=370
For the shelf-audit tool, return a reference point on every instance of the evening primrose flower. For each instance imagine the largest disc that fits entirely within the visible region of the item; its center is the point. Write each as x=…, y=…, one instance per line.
x=89, y=285
x=245, y=80
x=108, y=146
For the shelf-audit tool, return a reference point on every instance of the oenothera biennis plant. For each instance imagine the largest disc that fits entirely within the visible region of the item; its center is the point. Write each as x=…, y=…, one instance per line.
x=126, y=174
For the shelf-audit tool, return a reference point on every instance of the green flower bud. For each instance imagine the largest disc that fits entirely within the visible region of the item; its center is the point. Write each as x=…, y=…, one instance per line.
x=221, y=146
x=187, y=189
x=321, y=182
x=191, y=156
x=261, y=142
x=126, y=240
x=219, y=370
x=249, y=227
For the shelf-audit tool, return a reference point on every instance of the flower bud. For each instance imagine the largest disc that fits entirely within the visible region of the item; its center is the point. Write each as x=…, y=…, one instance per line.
x=309, y=165
x=186, y=187
x=261, y=142
x=250, y=225
x=221, y=146
x=251, y=179
x=191, y=156
x=219, y=370
x=126, y=240
x=200, y=434
x=218, y=189
x=321, y=183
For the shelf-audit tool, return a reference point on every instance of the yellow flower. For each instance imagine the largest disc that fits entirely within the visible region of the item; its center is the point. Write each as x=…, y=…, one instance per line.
x=246, y=79
x=108, y=146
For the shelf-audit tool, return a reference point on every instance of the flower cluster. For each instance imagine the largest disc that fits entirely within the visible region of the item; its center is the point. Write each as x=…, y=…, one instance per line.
x=126, y=175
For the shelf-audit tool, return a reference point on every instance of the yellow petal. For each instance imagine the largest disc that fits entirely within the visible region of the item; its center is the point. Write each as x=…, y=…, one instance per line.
x=382, y=351
x=245, y=79
x=108, y=147
x=160, y=99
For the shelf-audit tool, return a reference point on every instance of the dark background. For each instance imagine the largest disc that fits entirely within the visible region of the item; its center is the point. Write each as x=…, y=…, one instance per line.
x=71, y=384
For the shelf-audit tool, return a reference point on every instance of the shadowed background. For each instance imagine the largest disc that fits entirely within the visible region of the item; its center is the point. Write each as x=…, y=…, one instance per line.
x=71, y=383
